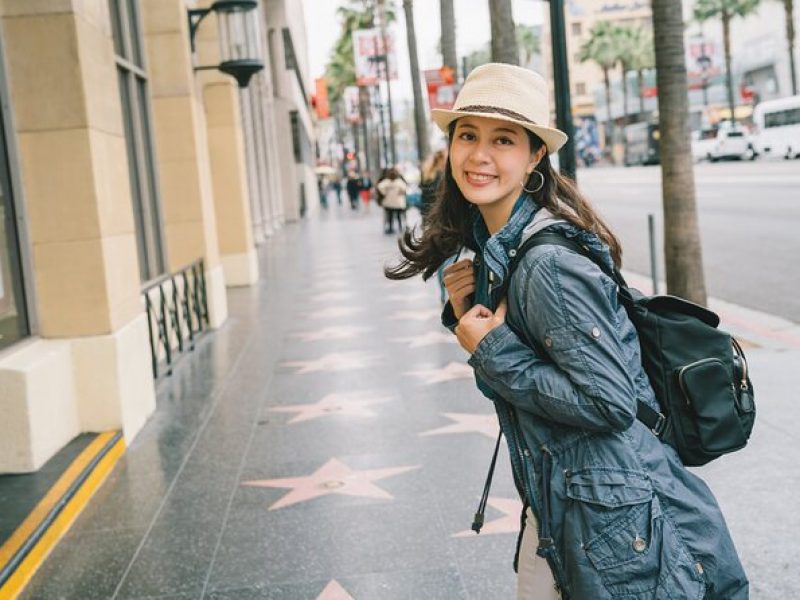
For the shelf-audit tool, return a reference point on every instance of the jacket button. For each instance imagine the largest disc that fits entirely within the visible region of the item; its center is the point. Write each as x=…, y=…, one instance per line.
x=512, y=253
x=548, y=342
x=595, y=332
x=639, y=545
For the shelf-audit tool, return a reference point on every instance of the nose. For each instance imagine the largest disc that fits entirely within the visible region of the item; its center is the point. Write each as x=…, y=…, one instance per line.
x=479, y=154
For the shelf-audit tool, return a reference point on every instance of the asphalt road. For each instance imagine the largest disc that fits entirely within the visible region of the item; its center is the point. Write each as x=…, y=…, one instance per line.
x=749, y=221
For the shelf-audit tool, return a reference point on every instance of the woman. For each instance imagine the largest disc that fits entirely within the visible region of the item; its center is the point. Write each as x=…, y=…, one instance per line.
x=393, y=189
x=610, y=511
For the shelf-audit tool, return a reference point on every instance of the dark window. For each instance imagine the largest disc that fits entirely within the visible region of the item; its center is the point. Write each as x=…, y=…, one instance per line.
x=576, y=29
x=132, y=79
x=782, y=118
x=580, y=89
x=13, y=310
x=288, y=50
x=297, y=145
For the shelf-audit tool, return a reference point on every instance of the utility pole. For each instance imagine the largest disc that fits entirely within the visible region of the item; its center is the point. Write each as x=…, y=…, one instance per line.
x=558, y=37
x=382, y=17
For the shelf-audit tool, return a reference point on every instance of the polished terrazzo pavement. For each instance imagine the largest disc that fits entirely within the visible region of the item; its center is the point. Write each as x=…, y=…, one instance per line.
x=328, y=442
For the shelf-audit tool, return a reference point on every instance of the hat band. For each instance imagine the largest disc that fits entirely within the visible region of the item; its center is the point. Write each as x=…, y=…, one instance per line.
x=481, y=108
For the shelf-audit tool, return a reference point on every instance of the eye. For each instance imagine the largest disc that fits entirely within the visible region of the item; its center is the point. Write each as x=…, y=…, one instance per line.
x=505, y=141
x=466, y=136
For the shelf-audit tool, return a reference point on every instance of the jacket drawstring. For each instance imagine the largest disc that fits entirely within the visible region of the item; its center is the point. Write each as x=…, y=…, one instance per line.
x=477, y=522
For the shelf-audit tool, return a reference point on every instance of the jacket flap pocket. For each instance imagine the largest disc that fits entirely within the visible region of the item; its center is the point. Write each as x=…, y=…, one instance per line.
x=572, y=336
x=609, y=487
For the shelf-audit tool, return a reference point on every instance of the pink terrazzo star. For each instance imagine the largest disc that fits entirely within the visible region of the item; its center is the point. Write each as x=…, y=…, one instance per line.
x=428, y=339
x=451, y=372
x=352, y=404
x=335, y=296
x=334, y=332
x=334, y=362
x=508, y=523
x=415, y=315
x=333, y=312
x=334, y=591
x=468, y=423
x=334, y=477
x=410, y=297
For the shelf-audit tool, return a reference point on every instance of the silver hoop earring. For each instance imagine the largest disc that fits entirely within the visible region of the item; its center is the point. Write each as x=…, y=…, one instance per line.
x=538, y=187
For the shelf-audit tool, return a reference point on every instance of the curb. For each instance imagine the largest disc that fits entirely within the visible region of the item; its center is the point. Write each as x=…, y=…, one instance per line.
x=30, y=544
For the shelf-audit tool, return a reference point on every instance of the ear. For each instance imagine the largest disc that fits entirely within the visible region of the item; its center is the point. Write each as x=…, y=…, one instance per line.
x=536, y=159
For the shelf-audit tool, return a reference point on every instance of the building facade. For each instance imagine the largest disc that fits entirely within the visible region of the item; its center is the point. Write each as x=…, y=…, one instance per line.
x=120, y=164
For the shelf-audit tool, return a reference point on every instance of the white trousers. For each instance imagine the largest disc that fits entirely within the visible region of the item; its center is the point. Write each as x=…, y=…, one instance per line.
x=534, y=578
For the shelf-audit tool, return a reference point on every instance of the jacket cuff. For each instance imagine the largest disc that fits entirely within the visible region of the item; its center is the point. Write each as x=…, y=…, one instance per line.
x=489, y=345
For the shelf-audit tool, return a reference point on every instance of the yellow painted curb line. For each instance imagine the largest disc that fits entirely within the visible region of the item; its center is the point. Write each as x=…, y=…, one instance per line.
x=65, y=518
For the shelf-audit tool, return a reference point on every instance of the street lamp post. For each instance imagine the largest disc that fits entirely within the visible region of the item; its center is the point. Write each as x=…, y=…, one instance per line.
x=558, y=38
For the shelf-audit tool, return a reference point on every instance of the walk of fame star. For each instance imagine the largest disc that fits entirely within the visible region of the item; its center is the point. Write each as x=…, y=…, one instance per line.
x=334, y=332
x=415, y=315
x=334, y=362
x=336, y=296
x=333, y=312
x=452, y=371
x=508, y=523
x=351, y=404
x=468, y=423
x=334, y=591
x=334, y=477
x=428, y=339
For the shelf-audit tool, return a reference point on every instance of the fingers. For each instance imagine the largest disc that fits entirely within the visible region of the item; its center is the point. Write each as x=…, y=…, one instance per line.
x=465, y=264
x=502, y=309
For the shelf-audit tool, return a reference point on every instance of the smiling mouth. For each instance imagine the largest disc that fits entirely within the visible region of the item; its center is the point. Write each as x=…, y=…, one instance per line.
x=479, y=177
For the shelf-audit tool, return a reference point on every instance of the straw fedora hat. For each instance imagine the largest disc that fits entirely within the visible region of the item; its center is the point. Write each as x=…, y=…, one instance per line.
x=508, y=93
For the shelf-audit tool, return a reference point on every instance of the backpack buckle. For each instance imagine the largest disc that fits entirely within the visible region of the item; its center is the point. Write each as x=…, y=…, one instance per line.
x=659, y=426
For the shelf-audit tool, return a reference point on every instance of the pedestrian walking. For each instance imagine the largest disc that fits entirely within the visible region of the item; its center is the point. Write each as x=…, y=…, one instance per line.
x=393, y=190
x=353, y=189
x=431, y=175
x=609, y=510
x=365, y=190
x=337, y=190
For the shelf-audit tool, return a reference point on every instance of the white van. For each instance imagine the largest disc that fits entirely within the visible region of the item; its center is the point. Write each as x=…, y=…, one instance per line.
x=778, y=127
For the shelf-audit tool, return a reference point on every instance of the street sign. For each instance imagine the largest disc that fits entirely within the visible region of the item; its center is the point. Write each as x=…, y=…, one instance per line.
x=351, y=104
x=441, y=87
x=369, y=56
x=321, y=99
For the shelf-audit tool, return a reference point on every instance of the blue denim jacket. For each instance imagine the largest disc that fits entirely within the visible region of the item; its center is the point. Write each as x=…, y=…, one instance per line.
x=618, y=513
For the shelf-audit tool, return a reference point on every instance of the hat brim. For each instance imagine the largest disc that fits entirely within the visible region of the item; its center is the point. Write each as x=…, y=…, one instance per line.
x=554, y=139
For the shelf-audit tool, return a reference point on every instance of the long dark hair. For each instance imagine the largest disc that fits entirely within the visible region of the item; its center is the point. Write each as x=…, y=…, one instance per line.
x=449, y=222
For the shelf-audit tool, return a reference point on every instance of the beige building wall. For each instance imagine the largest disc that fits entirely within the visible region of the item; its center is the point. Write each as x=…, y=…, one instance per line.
x=183, y=163
x=88, y=369
x=586, y=78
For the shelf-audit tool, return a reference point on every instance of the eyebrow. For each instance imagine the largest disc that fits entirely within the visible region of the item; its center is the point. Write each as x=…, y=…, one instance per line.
x=495, y=130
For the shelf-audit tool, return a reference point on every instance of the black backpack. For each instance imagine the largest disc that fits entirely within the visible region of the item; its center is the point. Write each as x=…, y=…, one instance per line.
x=699, y=373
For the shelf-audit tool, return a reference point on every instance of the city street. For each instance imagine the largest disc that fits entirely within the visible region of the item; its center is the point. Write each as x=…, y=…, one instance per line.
x=749, y=218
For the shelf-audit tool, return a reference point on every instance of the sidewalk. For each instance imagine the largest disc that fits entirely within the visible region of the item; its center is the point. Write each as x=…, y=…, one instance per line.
x=329, y=442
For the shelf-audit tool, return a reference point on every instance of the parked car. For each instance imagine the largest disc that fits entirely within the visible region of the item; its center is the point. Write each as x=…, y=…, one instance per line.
x=721, y=143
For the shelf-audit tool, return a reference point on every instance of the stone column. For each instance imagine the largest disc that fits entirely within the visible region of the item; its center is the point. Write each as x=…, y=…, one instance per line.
x=183, y=163
x=89, y=367
x=227, y=161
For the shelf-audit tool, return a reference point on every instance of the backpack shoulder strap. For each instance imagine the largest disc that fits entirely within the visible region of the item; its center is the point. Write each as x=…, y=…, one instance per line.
x=654, y=420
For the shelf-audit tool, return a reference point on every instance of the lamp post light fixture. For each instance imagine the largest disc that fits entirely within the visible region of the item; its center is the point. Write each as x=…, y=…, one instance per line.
x=238, y=33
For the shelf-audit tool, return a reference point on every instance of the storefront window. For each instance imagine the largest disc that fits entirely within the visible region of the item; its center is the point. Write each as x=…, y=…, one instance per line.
x=13, y=316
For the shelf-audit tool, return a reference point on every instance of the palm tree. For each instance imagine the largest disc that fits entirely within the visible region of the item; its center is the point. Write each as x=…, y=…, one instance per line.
x=642, y=58
x=504, y=39
x=600, y=47
x=623, y=41
x=528, y=43
x=682, y=248
x=788, y=8
x=448, y=23
x=420, y=123
x=478, y=57
x=725, y=10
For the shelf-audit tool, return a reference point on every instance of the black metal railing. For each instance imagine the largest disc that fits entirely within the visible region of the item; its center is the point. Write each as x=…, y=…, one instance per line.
x=177, y=315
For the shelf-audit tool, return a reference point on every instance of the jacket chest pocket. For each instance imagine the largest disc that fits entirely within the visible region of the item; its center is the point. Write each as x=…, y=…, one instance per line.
x=622, y=531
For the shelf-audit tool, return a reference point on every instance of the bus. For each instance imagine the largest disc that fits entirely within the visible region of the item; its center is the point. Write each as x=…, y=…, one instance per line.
x=641, y=144
x=778, y=127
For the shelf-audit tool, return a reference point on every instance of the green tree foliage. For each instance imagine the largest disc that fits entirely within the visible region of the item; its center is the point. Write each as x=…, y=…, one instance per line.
x=725, y=10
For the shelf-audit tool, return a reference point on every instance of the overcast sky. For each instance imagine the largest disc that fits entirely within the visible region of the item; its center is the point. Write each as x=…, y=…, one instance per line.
x=472, y=32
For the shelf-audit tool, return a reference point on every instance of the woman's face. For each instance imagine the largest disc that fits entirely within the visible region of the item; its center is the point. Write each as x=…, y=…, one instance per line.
x=490, y=160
